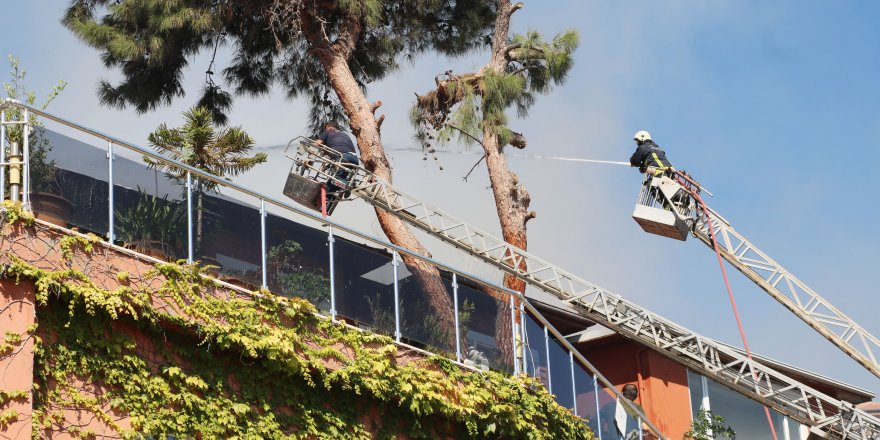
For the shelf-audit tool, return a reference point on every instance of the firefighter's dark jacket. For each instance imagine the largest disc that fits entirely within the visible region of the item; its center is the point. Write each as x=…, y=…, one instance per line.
x=648, y=154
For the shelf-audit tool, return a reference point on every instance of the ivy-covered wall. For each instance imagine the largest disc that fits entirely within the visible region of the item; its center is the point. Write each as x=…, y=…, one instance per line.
x=128, y=348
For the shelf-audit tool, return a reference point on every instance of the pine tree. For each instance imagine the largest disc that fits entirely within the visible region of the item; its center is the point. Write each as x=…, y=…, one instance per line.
x=327, y=51
x=472, y=106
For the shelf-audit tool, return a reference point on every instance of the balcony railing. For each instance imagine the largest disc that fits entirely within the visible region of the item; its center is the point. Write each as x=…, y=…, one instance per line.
x=95, y=182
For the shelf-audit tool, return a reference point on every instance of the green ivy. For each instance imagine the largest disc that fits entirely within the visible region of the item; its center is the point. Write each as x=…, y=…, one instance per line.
x=13, y=213
x=254, y=367
x=68, y=243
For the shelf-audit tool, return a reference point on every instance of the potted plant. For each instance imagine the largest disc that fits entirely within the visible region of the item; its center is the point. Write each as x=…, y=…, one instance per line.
x=152, y=225
x=46, y=201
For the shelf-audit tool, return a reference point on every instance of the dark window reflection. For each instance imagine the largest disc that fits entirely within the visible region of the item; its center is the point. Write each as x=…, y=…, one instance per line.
x=364, y=286
x=536, y=352
x=586, y=397
x=560, y=374
x=426, y=309
x=745, y=416
x=485, y=328
x=298, y=261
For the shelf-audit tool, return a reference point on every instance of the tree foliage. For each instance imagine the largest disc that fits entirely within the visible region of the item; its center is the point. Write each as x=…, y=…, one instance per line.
x=708, y=426
x=464, y=105
x=152, y=41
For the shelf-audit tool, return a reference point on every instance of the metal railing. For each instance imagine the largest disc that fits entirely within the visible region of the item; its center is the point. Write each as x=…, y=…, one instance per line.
x=587, y=385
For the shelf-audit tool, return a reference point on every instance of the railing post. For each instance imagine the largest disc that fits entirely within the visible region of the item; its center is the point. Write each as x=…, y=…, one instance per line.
x=26, y=159
x=547, y=352
x=705, y=404
x=189, y=218
x=3, y=155
x=110, y=233
x=574, y=399
x=522, y=333
x=639, y=427
x=455, y=306
x=330, y=241
x=395, y=264
x=263, y=242
x=15, y=171
x=598, y=413
x=513, y=336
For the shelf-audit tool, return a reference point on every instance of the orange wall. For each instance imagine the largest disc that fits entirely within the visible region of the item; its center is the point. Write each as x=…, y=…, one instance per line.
x=663, y=388
x=17, y=365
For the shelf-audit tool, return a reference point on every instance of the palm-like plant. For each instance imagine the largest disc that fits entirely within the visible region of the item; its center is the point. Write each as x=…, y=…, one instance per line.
x=199, y=144
x=151, y=219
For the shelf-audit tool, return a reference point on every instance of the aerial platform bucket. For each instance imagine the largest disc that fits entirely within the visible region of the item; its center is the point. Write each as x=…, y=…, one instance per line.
x=316, y=165
x=304, y=191
x=662, y=209
x=659, y=221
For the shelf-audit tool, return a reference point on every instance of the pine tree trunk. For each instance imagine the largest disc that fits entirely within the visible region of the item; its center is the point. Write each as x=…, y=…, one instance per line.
x=511, y=199
x=365, y=127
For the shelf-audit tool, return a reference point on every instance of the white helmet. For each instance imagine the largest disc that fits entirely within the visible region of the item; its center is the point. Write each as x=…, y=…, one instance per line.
x=642, y=136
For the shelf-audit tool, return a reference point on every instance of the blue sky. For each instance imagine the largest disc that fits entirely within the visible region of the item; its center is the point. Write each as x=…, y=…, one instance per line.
x=772, y=105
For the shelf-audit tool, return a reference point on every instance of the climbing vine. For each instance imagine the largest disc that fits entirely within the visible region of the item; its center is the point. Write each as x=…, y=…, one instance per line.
x=176, y=359
x=13, y=213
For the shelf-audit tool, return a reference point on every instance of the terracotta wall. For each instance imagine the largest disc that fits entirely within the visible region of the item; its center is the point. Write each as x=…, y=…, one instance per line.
x=17, y=362
x=662, y=383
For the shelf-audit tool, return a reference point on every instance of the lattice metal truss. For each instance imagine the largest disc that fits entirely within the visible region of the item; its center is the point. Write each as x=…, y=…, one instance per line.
x=816, y=311
x=769, y=275
x=826, y=415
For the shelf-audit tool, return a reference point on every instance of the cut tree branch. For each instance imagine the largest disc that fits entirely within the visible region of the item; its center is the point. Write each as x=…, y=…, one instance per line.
x=514, y=8
x=473, y=168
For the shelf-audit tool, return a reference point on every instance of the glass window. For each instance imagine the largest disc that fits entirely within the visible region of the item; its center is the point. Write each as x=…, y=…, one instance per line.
x=298, y=261
x=536, y=352
x=745, y=416
x=695, y=386
x=560, y=373
x=364, y=286
x=586, y=397
x=485, y=327
x=69, y=181
x=427, y=317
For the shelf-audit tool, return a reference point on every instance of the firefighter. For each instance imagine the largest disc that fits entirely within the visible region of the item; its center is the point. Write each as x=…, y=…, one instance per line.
x=337, y=140
x=648, y=155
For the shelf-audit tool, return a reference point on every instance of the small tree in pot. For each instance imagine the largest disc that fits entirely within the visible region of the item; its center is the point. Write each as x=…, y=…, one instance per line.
x=44, y=186
x=199, y=144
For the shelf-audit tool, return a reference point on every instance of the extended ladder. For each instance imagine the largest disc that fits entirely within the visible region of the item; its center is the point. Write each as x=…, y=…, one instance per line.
x=826, y=415
x=651, y=212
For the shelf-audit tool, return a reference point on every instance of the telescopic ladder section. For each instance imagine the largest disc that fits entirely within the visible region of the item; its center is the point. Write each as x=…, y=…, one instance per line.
x=825, y=415
x=757, y=266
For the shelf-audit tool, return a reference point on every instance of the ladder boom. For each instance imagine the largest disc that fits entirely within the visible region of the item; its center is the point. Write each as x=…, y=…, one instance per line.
x=832, y=417
x=826, y=415
x=793, y=293
x=680, y=200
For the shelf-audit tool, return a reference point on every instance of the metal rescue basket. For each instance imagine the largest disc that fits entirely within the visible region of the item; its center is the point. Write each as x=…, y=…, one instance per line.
x=319, y=177
x=665, y=208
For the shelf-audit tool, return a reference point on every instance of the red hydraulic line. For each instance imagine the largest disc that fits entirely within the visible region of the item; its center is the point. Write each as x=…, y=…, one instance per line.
x=324, y=200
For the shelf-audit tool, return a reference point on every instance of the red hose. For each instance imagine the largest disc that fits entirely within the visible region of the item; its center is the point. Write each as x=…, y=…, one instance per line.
x=324, y=200
x=742, y=332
